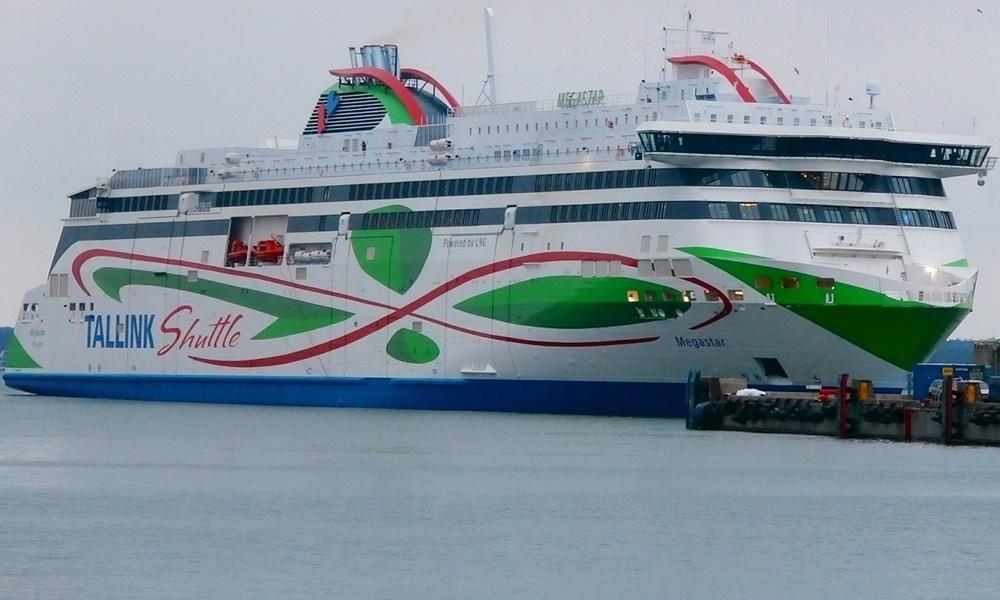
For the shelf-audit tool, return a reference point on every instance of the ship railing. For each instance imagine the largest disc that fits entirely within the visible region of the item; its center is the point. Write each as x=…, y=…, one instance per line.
x=540, y=105
x=421, y=163
x=157, y=177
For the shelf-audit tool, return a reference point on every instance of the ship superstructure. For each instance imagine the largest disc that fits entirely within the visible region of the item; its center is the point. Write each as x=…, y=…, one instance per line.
x=574, y=255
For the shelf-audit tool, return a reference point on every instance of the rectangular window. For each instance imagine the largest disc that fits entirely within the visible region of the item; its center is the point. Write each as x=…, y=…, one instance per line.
x=858, y=216
x=718, y=210
x=779, y=212
x=735, y=295
x=712, y=296
x=832, y=215
x=825, y=283
x=806, y=213
x=790, y=282
x=763, y=283
x=749, y=211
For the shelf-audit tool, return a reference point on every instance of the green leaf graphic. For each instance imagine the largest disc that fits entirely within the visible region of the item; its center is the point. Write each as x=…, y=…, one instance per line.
x=573, y=302
x=393, y=257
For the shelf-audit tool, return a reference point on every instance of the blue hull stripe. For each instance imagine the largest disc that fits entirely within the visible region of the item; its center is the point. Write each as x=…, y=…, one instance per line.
x=648, y=399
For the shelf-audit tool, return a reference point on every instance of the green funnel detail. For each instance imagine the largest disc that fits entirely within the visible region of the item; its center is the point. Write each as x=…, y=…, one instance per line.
x=412, y=347
x=293, y=316
x=574, y=302
x=901, y=332
x=18, y=357
x=393, y=257
x=398, y=114
x=962, y=262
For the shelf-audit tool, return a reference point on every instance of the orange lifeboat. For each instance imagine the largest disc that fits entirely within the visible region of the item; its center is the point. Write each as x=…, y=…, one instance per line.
x=237, y=254
x=267, y=252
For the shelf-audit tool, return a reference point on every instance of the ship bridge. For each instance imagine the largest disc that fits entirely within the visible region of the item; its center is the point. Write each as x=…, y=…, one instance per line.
x=873, y=150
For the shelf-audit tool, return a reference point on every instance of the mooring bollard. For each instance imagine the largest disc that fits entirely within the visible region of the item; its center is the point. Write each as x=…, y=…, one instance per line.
x=842, y=398
x=949, y=403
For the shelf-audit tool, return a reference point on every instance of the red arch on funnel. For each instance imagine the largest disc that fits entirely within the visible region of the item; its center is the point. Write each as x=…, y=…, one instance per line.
x=723, y=69
x=395, y=86
x=770, y=80
x=411, y=73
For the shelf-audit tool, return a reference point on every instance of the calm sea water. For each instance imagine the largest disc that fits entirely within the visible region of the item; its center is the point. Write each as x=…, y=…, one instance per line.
x=111, y=499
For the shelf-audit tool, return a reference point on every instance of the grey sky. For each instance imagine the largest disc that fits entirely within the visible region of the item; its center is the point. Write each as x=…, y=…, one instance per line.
x=86, y=87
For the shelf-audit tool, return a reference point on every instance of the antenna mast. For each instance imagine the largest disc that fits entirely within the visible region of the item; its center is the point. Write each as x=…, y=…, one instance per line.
x=488, y=95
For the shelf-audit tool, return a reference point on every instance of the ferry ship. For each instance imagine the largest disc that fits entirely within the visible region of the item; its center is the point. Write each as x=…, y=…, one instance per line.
x=576, y=255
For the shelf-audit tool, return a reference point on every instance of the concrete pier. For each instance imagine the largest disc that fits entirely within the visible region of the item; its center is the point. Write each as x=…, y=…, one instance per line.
x=853, y=410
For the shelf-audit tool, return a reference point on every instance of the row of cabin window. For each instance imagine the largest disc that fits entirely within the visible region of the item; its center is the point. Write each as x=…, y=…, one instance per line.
x=544, y=125
x=676, y=209
x=805, y=180
x=419, y=219
x=746, y=211
x=592, y=180
x=134, y=203
x=735, y=295
x=812, y=147
x=431, y=188
x=263, y=197
x=796, y=121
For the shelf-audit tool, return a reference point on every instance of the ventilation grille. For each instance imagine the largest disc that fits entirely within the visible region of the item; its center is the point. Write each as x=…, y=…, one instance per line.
x=356, y=111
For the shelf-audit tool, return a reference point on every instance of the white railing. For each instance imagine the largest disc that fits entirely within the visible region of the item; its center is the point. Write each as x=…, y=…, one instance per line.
x=248, y=172
x=540, y=105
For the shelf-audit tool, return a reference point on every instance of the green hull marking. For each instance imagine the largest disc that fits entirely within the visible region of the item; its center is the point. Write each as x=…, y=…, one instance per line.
x=962, y=262
x=18, y=357
x=902, y=335
x=392, y=257
x=413, y=347
x=706, y=252
x=293, y=316
x=573, y=302
x=900, y=332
